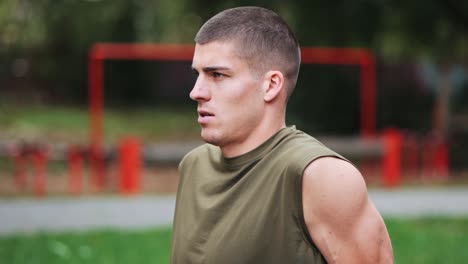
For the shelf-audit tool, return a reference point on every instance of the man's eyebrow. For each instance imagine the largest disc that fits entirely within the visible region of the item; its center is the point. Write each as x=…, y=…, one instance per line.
x=215, y=68
x=212, y=68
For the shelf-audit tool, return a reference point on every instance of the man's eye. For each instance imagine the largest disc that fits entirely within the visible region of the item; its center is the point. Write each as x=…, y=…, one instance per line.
x=217, y=75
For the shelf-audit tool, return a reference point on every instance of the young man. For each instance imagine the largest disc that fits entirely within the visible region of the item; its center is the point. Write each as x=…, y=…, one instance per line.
x=261, y=192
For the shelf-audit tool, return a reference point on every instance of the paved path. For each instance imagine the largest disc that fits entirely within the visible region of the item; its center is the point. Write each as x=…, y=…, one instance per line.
x=54, y=214
x=421, y=202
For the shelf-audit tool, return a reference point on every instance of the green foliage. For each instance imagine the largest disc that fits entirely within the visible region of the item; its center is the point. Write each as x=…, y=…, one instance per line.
x=436, y=29
x=53, y=38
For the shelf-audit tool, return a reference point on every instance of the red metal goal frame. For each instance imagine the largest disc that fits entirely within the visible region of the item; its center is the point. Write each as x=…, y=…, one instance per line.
x=184, y=52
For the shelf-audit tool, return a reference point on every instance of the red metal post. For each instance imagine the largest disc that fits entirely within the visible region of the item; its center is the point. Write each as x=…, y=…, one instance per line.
x=75, y=170
x=95, y=116
x=129, y=165
x=20, y=159
x=95, y=102
x=367, y=93
x=391, y=161
x=39, y=162
x=441, y=160
x=435, y=157
x=410, y=155
x=97, y=168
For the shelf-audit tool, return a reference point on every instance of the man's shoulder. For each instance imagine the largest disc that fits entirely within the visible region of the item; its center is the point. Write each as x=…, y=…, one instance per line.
x=300, y=142
x=298, y=149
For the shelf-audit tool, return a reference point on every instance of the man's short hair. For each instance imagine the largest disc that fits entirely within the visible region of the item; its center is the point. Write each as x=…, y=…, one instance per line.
x=263, y=39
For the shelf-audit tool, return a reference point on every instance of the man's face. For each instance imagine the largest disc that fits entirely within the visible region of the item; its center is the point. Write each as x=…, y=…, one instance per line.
x=229, y=96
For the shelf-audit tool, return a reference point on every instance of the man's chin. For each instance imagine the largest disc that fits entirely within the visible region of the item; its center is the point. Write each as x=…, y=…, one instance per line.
x=209, y=138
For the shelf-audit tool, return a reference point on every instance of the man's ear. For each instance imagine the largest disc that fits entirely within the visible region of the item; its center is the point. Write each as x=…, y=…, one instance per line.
x=274, y=85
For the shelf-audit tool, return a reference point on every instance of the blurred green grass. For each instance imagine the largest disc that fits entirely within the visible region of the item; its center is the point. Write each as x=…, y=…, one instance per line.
x=429, y=240
x=107, y=246
x=38, y=123
x=424, y=240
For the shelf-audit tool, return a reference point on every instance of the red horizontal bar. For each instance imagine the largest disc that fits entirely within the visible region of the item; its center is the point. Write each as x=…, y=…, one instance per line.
x=102, y=51
x=336, y=56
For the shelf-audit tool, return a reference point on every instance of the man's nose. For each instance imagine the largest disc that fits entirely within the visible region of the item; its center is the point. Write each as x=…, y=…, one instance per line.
x=200, y=92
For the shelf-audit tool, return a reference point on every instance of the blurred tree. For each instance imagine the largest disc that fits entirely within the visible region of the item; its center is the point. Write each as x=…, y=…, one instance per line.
x=436, y=30
x=55, y=36
x=168, y=21
x=44, y=44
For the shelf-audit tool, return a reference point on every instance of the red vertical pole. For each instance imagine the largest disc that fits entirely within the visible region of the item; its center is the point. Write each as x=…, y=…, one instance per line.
x=20, y=160
x=426, y=154
x=410, y=156
x=75, y=170
x=39, y=162
x=441, y=159
x=368, y=104
x=392, y=158
x=95, y=117
x=435, y=157
x=129, y=165
x=97, y=168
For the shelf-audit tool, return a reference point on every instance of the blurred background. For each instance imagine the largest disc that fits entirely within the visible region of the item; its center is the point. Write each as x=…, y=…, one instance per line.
x=421, y=93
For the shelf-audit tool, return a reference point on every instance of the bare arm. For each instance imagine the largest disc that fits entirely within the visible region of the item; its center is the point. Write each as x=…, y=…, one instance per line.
x=342, y=221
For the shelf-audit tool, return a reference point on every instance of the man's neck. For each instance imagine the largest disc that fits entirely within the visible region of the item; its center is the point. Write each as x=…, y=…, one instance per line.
x=255, y=139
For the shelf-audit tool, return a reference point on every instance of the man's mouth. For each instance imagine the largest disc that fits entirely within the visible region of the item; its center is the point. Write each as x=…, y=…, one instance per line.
x=204, y=117
x=203, y=113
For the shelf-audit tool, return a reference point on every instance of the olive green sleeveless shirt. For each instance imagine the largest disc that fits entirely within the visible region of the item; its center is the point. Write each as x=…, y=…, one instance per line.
x=246, y=209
